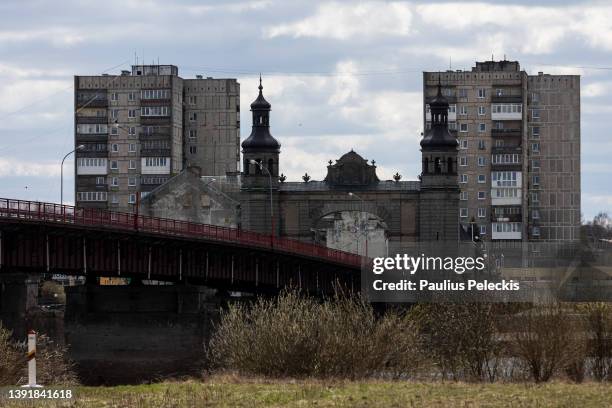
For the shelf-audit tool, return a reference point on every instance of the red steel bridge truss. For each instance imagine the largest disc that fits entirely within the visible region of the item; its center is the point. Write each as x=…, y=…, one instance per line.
x=38, y=237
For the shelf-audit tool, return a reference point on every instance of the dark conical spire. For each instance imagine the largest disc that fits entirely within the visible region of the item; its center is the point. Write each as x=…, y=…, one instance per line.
x=438, y=135
x=260, y=137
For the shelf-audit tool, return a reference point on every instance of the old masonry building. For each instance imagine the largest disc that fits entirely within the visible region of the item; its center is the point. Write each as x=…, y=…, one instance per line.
x=351, y=209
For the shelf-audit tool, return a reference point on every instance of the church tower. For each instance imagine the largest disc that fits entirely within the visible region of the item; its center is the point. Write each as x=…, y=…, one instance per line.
x=439, y=194
x=262, y=148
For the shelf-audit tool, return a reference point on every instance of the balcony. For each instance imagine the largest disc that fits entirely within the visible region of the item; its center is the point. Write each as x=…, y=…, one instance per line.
x=155, y=120
x=506, y=217
x=506, y=149
x=506, y=132
x=507, y=99
x=92, y=103
x=91, y=119
x=155, y=152
x=155, y=102
x=91, y=137
x=161, y=134
x=451, y=99
x=92, y=153
x=506, y=230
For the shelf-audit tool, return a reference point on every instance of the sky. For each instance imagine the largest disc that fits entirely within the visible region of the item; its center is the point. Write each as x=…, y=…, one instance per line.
x=339, y=75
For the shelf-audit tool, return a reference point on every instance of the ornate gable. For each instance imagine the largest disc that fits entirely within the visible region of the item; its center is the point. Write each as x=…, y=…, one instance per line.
x=351, y=170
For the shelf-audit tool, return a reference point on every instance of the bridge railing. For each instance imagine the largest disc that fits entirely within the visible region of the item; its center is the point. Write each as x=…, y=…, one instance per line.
x=56, y=213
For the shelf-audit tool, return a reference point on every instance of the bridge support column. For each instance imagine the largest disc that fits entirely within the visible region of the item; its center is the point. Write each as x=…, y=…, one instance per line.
x=135, y=333
x=18, y=297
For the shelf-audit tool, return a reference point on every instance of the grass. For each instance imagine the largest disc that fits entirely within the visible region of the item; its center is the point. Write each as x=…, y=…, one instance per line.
x=229, y=391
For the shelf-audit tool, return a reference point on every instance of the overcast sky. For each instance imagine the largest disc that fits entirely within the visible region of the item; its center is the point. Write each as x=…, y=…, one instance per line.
x=339, y=75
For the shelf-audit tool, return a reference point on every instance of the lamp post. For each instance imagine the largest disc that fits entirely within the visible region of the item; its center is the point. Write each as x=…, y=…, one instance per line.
x=351, y=194
x=262, y=167
x=79, y=147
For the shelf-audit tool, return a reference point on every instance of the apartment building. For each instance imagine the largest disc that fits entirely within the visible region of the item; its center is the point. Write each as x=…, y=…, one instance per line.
x=143, y=126
x=519, y=149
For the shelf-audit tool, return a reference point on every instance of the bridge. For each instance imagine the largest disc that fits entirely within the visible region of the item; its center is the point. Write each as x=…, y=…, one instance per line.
x=38, y=237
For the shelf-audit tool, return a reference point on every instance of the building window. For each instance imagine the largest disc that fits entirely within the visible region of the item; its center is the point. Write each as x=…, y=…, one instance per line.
x=132, y=113
x=154, y=111
x=482, y=127
x=192, y=99
x=463, y=144
x=114, y=199
x=535, y=114
x=535, y=165
x=91, y=195
x=482, y=145
x=536, y=231
x=132, y=199
x=535, y=197
x=482, y=178
x=115, y=182
x=114, y=96
x=156, y=161
x=483, y=230
x=481, y=93
x=535, y=97
x=482, y=212
x=155, y=94
x=114, y=147
x=100, y=181
x=507, y=158
x=132, y=131
x=193, y=116
x=463, y=161
x=463, y=93
x=193, y=149
x=131, y=181
x=535, y=180
x=193, y=133
x=114, y=113
x=114, y=165
x=482, y=161
x=463, y=196
x=535, y=132
x=463, y=212
x=132, y=96
x=482, y=110
x=499, y=92
x=132, y=147
x=463, y=127
x=535, y=147
x=482, y=195
x=451, y=125
x=114, y=130
x=535, y=214
x=132, y=165
x=463, y=178
x=463, y=110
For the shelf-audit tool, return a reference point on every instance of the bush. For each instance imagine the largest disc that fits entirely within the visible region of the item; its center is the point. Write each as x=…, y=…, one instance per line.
x=297, y=336
x=598, y=318
x=544, y=341
x=461, y=338
x=11, y=360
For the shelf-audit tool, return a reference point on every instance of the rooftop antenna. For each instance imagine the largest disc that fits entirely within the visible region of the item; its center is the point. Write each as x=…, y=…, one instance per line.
x=492, y=59
x=450, y=63
x=504, y=57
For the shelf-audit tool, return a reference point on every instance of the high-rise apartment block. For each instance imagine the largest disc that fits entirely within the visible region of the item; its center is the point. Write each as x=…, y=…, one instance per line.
x=519, y=149
x=143, y=126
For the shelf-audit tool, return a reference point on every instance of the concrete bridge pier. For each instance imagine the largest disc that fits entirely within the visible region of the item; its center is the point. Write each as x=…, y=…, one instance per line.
x=136, y=333
x=18, y=300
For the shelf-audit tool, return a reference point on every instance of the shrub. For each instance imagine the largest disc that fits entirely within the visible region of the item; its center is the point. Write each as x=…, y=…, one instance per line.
x=297, y=336
x=11, y=361
x=598, y=318
x=543, y=340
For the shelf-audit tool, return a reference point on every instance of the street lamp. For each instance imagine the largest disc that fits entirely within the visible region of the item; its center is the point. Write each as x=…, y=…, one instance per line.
x=79, y=147
x=351, y=194
x=262, y=167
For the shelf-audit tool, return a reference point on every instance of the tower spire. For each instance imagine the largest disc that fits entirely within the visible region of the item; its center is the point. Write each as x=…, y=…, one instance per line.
x=260, y=85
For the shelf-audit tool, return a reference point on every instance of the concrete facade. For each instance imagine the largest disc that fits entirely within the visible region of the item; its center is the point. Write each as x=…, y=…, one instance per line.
x=144, y=126
x=506, y=171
